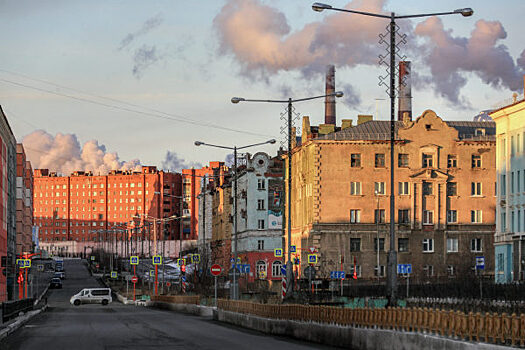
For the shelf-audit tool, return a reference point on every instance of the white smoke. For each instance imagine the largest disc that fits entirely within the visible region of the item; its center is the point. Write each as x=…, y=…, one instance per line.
x=259, y=37
x=172, y=162
x=63, y=154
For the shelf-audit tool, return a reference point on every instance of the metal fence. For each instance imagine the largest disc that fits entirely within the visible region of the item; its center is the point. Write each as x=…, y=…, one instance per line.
x=177, y=299
x=487, y=327
x=11, y=309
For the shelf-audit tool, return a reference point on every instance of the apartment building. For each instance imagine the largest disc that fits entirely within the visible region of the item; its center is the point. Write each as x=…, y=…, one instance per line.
x=24, y=202
x=445, y=194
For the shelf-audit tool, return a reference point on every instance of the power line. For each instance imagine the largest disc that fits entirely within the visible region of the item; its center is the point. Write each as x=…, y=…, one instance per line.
x=154, y=113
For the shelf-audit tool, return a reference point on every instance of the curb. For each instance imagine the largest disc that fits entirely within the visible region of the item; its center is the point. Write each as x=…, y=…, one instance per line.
x=21, y=320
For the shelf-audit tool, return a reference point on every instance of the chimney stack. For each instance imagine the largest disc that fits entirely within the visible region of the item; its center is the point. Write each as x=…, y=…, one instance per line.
x=405, y=91
x=329, y=107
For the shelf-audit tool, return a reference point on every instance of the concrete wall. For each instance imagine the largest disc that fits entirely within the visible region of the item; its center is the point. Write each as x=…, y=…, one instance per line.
x=349, y=337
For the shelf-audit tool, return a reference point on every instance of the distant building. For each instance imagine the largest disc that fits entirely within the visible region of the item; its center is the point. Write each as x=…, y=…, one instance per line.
x=222, y=221
x=7, y=208
x=444, y=196
x=483, y=116
x=24, y=202
x=85, y=208
x=509, y=239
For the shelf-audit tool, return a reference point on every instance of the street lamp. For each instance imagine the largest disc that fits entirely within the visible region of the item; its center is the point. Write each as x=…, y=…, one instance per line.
x=235, y=289
x=392, y=254
x=289, y=101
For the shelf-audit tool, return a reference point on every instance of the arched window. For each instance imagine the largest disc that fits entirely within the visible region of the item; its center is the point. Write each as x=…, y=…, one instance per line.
x=261, y=269
x=276, y=268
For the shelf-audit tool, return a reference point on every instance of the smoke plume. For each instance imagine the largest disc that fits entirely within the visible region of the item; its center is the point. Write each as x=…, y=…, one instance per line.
x=172, y=162
x=144, y=57
x=64, y=154
x=259, y=37
x=147, y=26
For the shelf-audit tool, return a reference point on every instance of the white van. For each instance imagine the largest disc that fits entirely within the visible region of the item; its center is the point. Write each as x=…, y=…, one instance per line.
x=92, y=296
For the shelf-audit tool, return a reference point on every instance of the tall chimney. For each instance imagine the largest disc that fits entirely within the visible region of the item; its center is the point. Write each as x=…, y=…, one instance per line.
x=329, y=107
x=405, y=91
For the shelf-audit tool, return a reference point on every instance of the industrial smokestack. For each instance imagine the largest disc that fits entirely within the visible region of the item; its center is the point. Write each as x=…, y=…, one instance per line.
x=405, y=92
x=329, y=107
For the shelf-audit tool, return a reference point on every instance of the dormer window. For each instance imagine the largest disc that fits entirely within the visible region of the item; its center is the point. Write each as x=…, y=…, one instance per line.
x=479, y=132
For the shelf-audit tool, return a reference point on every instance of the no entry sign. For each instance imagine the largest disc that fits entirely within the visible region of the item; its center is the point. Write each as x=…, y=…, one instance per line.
x=134, y=279
x=216, y=270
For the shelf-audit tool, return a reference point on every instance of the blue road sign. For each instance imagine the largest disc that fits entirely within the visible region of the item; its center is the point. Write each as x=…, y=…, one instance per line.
x=183, y=278
x=283, y=270
x=404, y=269
x=134, y=260
x=336, y=275
x=480, y=262
x=293, y=249
x=157, y=260
x=243, y=268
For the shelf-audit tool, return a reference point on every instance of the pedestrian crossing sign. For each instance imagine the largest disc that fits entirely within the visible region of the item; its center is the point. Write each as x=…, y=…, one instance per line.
x=113, y=274
x=278, y=253
x=196, y=258
x=312, y=258
x=134, y=260
x=152, y=273
x=180, y=262
x=157, y=260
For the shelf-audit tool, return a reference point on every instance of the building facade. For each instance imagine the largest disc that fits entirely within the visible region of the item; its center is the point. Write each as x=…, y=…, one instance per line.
x=259, y=217
x=444, y=197
x=24, y=202
x=7, y=208
x=510, y=205
x=222, y=223
x=83, y=207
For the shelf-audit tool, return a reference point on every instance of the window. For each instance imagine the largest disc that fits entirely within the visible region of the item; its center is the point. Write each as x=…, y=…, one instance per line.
x=427, y=188
x=476, y=245
x=428, y=270
x=426, y=160
x=512, y=182
x=379, y=216
x=451, y=271
x=355, y=188
x=379, y=269
x=402, y=244
x=452, y=245
x=276, y=269
x=381, y=244
x=428, y=245
x=403, y=188
x=475, y=188
x=379, y=188
x=452, y=161
x=476, y=161
x=260, y=204
x=402, y=160
x=260, y=184
x=355, y=244
x=355, y=216
x=452, y=216
x=503, y=185
x=357, y=270
x=260, y=244
x=355, y=160
x=428, y=217
x=452, y=189
x=380, y=160
x=475, y=216
x=518, y=182
x=260, y=269
x=260, y=224
x=403, y=216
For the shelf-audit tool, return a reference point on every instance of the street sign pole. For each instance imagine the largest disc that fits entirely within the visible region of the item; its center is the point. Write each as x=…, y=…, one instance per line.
x=134, y=276
x=215, y=291
x=156, y=276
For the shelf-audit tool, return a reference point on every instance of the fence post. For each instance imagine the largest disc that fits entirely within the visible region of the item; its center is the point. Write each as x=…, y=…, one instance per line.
x=505, y=329
x=515, y=333
x=497, y=327
x=522, y=330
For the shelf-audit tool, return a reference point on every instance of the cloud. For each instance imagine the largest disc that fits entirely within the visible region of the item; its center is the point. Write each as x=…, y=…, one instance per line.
x=260, y=39
x=351, y=98
x=147, y=26
x=450, y=58
x=64, y=154
x=172, y=162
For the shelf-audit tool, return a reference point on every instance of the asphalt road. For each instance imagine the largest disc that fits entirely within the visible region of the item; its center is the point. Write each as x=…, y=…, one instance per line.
x=118, y=326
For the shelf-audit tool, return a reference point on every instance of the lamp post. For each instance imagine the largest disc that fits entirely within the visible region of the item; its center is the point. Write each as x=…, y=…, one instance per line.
x=465, y=12
x=289, y=101
x=235, y=289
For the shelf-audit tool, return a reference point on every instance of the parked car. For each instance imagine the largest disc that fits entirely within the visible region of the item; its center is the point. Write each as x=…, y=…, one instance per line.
x=92, y=296
x=55, y=283
x=60, y=274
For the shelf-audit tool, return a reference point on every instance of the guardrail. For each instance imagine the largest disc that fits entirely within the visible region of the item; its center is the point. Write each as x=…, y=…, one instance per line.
x=11, y=309
x=488, y=327
x=177, y=299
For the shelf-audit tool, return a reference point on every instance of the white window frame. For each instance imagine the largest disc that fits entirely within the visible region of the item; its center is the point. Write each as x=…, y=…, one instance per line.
x=355, y=188
x=428, y=245
x=476, y=189
x=381, y=270
x=450, y=219
x=260, y=204
x=404, y=188
x=476, y=216
x=452, y=245
x=429, y=270
x=428, y=217
x=379, y=188
x=476, y=245
x=261, y=184
x=355, y=216
x=276, y=269
x=260, y=224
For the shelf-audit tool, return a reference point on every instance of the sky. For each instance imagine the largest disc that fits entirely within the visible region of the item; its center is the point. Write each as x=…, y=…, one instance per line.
x=99, y=85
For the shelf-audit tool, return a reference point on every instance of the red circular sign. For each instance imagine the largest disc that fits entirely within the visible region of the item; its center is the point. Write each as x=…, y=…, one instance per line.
x=216, y=270
x=168, y=284
x=134, y=279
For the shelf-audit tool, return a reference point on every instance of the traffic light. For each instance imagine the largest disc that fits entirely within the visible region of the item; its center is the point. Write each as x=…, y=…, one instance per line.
x=183, y=268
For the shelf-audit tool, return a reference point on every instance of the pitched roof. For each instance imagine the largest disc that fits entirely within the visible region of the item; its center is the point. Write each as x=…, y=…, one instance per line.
x=380, y=130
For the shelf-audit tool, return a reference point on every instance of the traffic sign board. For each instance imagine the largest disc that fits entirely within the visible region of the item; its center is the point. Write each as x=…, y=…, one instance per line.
x=152, y=273
x=157, y=260
x=92, y=258
x=293, y=249
x=216, y=270
x=27, y=263
x=309, y=272
x=312, y=258
x=113, y=274
x=196, y=258
x=134, y=279
x=404, y=269
x=181, y=262
x=480, y=262
x=337, y=275
x=183, y=278
x=40, y=267
x=231, y=272
x=168, y=284
x=312, y=249
x=278, y=253
x=283, y=270
x=134, y=260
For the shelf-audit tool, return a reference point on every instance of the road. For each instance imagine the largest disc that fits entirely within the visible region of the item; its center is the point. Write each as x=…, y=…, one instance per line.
x=119, y=326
